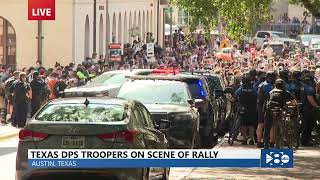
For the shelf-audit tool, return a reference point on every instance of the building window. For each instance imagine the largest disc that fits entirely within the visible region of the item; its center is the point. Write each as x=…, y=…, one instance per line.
x=7, y=43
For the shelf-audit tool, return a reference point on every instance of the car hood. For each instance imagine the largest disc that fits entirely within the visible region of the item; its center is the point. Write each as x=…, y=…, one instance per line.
x=88, y=88
x=167, y=108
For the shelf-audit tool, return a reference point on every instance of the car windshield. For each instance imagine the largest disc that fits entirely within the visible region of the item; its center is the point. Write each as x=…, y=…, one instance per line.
x=81, y=113
x=155, y=92
x=280, y=35
x=108, y=78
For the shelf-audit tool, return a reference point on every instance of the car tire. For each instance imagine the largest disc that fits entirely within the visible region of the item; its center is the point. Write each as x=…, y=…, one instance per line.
x=166, y=174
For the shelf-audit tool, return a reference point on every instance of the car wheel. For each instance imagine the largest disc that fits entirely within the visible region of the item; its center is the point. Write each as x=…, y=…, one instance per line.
x=166, y=174
x=145, y=174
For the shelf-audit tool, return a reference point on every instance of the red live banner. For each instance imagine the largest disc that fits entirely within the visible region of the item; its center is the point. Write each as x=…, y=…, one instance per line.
x=41, y=10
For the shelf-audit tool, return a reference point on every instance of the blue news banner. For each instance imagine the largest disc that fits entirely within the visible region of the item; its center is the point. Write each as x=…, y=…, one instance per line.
x=75, y=158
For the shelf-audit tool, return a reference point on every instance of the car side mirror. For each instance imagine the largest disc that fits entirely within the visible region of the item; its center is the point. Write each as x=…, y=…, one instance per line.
x=228, y=90
x=198, y=102
x=191, y=102
x=163, y=124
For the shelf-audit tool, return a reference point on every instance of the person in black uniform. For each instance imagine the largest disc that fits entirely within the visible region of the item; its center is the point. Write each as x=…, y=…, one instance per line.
x=309, y=107
x=38, y=87
x=278, y=97
x=247, y=99
x=21, y=95
x=263, y=95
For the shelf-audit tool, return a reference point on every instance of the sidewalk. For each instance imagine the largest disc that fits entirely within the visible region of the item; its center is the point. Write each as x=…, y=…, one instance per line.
x=306, y=166
x=7, y=131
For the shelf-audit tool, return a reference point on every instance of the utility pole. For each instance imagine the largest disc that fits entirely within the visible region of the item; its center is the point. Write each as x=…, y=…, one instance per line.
x=39, y=38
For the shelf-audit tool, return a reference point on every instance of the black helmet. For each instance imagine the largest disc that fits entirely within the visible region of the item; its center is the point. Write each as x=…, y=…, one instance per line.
x=253, y=73
x=246, y=79
x=284, y=75
x=306, y=75
x=271, y=76
x=261, y=76
x=280, y=84
x=296, y=75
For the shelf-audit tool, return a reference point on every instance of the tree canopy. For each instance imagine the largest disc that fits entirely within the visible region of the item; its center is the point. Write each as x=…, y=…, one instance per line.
x=239, y=16
x=312, y=5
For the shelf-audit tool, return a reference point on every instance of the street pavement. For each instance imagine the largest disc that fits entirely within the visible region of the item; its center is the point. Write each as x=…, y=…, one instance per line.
x=306, y=166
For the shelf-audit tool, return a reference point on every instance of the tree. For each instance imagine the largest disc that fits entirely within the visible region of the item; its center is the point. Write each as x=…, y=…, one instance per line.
x=240, y=16
x=312, y=5
x=203, y=11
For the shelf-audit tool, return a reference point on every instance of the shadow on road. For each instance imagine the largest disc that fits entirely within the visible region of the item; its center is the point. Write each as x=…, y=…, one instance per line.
x=7, y=150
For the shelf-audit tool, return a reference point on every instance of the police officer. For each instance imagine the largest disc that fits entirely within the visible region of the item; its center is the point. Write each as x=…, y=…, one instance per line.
x=284, y=75
x=309, y=107
x=39, y=92
x=247, y=99
x=279, y=97
x=295, y=84
x=21, y=95
x=263, y=96
x=261, y=78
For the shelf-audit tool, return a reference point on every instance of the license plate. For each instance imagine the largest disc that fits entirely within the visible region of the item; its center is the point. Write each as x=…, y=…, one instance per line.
x=73, y=142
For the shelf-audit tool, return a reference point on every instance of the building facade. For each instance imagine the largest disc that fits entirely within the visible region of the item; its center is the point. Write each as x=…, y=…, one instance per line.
x=82, y=28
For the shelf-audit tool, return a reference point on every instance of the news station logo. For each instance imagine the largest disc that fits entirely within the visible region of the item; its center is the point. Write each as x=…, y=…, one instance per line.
x=277, y=158
x=41, y=10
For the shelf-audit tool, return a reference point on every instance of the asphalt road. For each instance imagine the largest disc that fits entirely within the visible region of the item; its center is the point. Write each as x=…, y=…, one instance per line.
x=306, y=162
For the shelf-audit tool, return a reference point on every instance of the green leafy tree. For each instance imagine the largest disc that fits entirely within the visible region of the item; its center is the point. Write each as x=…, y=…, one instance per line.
x=203, y=11
x=312, y=5
x=240, y=16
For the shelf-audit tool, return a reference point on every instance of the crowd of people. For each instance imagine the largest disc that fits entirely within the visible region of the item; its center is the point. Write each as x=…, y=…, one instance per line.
x=23, y=92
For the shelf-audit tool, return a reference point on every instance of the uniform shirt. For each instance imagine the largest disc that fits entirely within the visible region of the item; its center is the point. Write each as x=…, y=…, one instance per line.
x=307, y=90
x=263, y=92
x=280, y=96
x=247, y=97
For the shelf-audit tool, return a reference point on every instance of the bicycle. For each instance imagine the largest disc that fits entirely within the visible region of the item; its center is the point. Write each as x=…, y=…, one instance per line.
x=235, y=130
x=285, y=128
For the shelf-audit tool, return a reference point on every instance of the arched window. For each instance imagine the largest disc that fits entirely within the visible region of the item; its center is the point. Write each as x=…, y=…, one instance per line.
x=7, y=43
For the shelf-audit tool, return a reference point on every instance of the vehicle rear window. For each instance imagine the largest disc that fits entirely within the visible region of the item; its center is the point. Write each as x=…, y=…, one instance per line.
x=214, y=83
x=81, y=113
x=196, y=88
x=106, y=79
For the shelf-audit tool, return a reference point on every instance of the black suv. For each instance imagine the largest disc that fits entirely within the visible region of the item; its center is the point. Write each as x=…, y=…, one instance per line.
x=205, y=102
x=167, y=99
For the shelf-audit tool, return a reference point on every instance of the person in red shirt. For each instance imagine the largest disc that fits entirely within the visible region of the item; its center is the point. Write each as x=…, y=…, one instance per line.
x=53, y=79
x=252, y=50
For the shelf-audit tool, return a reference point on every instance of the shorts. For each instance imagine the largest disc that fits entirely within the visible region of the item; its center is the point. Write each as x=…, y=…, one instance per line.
x=260, y=114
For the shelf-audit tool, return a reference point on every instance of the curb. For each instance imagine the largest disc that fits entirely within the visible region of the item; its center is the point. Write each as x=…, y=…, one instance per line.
x=8, y=135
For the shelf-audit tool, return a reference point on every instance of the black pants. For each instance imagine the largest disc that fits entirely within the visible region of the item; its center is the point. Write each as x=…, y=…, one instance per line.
x=267, y=126
x=20, y=113
x=35, y=105
x=309, y=121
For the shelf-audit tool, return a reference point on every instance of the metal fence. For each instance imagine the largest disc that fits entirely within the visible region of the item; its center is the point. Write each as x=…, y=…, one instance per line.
x=286, y=28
